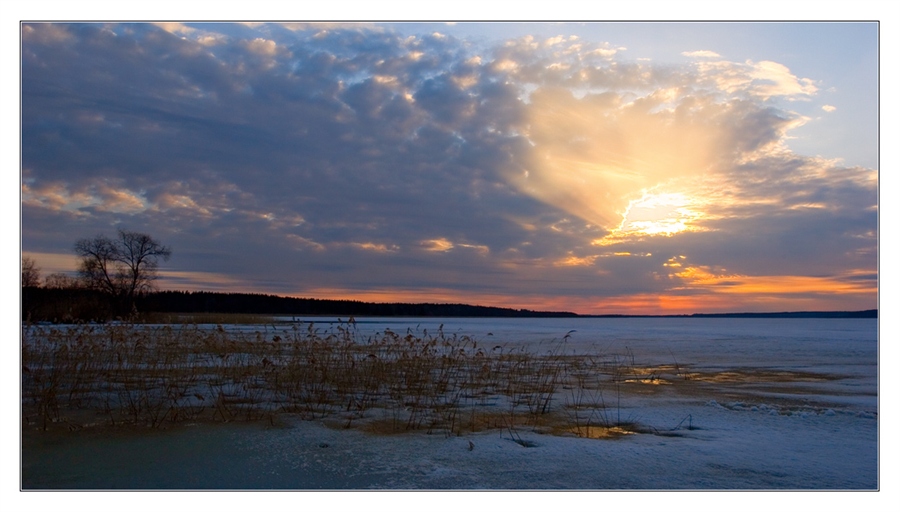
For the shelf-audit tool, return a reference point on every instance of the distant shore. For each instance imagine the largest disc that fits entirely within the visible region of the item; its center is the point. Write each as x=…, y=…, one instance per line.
x=48, y=304
x=217, y=302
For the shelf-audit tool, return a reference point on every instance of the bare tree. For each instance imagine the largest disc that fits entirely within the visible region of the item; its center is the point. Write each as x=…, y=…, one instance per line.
x=124, y=267
x=31, y=274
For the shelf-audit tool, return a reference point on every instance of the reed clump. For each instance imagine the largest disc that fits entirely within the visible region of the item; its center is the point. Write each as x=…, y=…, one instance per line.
x=137, y=375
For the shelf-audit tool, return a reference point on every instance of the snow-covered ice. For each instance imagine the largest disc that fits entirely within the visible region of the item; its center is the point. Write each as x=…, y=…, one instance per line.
x=728, y=448
x=761, y=420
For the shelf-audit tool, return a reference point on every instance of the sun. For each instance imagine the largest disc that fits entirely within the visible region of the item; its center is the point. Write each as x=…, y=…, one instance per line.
x=656, y=214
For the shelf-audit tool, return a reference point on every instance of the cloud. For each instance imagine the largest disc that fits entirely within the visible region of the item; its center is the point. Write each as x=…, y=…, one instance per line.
x=829, y=108
x=303, y=158
x=261, y=46
x=760, y=80
x=774, y=79
x=46, y=33
x=176, y=28
x=187, y=281
x=375, y=247
x=720, y=282
x=437, y=245
x=594, y=158
x=577, y=261
x=705, y=54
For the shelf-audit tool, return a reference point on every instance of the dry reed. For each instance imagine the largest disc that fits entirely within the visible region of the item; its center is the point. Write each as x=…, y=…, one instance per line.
x=145, y=375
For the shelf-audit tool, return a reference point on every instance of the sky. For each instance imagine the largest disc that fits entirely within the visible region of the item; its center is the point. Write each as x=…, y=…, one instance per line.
x=636, y=168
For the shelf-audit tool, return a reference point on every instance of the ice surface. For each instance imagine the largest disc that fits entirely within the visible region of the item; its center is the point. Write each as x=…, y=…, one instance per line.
x=786, y=404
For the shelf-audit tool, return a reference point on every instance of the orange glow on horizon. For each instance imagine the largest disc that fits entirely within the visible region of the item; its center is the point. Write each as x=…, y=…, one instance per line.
x=711, y=302
x=703, y=278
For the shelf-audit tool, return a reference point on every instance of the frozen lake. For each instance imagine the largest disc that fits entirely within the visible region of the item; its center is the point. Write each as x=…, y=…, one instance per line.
x=770, y=404
x=728, y=342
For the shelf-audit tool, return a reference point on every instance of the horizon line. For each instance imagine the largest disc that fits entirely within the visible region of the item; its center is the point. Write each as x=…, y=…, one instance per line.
x=587, y=315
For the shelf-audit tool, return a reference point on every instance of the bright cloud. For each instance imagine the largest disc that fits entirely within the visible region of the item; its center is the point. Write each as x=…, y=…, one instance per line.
x=763, y=80
x=374, y=247
x=120, y=200
x=706, y=54
x=176, y=28
x=774, y=79
x=576, y=261
x=103, y=197
x=437, y=245
x=262, y=46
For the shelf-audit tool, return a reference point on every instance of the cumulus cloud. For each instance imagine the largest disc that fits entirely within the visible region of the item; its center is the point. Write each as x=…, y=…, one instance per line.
x=307, y=157
x=705, y=54
x=774, y=79
x=760, y=80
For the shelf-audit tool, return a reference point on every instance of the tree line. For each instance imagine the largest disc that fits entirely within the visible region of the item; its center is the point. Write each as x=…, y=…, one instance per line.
x=116, y=279
x=252, y=303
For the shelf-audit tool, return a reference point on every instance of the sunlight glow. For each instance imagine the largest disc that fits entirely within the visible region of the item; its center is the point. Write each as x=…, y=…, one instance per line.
x=659, y=214
x=593, y=154
x=655, y=214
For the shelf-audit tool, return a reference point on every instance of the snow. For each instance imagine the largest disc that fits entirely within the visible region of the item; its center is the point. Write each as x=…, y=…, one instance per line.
x=732, y=434
x=729, y=450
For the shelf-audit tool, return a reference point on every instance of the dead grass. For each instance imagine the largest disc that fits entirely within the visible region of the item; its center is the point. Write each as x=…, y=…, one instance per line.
x=146, y=375
x=136, y=375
